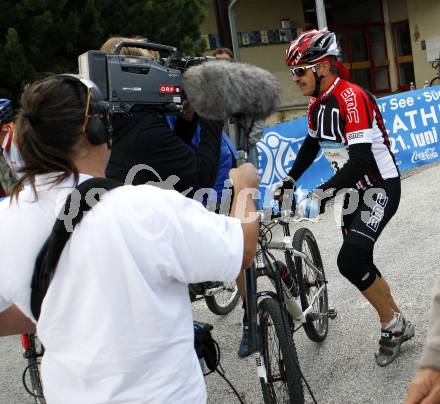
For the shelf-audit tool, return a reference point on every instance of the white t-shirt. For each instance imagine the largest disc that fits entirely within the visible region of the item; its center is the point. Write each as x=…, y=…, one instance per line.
x=116, y=321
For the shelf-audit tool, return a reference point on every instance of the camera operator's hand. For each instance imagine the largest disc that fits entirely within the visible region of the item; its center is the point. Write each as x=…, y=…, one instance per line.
x=188, y=112
x=245, y=176
x=279, y=188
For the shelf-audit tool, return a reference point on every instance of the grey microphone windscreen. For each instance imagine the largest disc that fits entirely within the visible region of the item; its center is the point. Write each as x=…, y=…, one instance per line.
x=218, y=90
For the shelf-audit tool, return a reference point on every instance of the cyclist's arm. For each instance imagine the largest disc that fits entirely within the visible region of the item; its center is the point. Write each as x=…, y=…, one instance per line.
x=14, y=322
x=306, y=155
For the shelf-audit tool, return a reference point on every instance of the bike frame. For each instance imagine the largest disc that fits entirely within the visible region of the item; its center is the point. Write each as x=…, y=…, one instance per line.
x=260, y=268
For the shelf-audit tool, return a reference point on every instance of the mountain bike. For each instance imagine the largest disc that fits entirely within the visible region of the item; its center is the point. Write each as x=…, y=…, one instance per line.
x=436, y=66
x=300, y=299
x=221, y=298
x=33, y=350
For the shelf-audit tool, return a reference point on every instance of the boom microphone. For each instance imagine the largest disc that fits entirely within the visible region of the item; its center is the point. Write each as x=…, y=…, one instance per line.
x=218, y=90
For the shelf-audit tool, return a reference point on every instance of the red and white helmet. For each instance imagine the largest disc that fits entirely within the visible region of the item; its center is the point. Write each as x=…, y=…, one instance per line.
x=311, y=46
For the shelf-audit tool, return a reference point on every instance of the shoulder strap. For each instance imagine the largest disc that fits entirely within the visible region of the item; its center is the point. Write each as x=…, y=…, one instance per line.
x=49, y=255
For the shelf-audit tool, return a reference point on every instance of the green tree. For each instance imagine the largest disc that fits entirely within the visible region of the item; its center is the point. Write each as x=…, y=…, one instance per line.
x=172, y=22
x=14, y=65
x=42, y=37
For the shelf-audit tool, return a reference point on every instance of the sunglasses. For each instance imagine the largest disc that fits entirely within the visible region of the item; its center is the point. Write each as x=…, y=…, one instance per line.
x=301, y=71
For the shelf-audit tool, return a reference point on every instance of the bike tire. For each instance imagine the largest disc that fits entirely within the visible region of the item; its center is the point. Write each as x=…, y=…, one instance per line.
x=33, y=369
x=308, y=283
x=284, y=384
x=222, y=307
x=435, y=81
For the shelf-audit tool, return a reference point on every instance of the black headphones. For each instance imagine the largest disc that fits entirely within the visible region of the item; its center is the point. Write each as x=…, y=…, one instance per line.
x=97, y=123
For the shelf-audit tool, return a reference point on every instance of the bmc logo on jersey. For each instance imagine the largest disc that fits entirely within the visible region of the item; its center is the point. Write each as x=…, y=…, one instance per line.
x=350, y=100
x=355, y=135
x=378, y=212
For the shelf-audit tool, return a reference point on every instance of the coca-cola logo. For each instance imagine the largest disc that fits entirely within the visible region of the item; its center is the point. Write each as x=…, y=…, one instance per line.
x=427, y=154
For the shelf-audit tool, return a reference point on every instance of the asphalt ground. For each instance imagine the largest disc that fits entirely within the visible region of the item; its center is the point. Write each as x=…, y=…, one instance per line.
x=342, y=369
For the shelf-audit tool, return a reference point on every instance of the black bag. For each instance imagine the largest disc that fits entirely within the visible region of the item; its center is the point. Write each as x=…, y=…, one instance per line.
x=49, y=255
x=205, y=345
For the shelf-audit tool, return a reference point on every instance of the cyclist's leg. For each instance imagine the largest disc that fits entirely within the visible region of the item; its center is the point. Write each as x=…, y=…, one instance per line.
x=365, y=227
x=355, y=260
x=382, y=284
x=385, y=290
x=364, y=231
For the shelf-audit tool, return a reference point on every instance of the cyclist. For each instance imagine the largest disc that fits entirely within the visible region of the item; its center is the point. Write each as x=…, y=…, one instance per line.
x=116, y=321
x=344, y=121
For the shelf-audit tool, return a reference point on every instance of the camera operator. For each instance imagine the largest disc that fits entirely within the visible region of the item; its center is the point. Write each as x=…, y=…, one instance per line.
x=119, y=295
x=144, y=137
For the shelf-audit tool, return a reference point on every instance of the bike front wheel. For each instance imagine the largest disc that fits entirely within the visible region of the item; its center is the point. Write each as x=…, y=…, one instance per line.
x=223, y=301
x=309, y=283
x=282, y=382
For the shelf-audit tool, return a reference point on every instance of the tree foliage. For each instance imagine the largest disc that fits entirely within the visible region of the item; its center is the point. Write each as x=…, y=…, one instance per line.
x=40, y=37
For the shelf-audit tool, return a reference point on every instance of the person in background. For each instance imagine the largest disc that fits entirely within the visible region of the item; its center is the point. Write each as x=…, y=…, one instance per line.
x=425, y=387
x=223, y=53
x=7, y=177
x=255, y=128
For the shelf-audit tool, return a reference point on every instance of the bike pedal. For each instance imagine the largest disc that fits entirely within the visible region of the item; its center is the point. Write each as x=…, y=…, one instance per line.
x=332, y=313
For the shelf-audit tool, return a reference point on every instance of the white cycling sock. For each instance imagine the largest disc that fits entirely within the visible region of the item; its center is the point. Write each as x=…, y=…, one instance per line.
x=395, y=322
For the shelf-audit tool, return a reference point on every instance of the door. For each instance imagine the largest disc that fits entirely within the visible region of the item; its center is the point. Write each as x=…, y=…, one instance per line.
x=404, y=58
x=364, y=52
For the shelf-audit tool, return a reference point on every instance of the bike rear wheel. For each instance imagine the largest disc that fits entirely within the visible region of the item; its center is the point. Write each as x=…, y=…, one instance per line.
x=309, y=283
x=223, y=302
x=283, y=382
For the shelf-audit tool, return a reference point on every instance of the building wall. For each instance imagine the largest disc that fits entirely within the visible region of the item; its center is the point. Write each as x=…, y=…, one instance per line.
x=398, y=11
x=424, y=22
x=393, y=11
x=252, y=15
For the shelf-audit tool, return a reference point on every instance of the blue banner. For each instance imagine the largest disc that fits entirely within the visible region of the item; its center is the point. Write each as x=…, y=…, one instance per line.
x=412, y=120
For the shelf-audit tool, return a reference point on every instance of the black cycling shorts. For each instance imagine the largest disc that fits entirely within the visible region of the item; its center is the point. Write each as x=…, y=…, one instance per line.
x=375, y=209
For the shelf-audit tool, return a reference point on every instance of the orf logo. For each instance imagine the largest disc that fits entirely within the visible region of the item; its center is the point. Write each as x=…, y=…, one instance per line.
x=166, y=89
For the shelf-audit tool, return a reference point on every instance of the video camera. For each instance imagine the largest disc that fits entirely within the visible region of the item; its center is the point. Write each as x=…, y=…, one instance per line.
x=126, y=81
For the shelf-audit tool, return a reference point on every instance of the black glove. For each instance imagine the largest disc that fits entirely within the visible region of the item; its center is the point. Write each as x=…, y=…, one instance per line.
x=279, y=188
